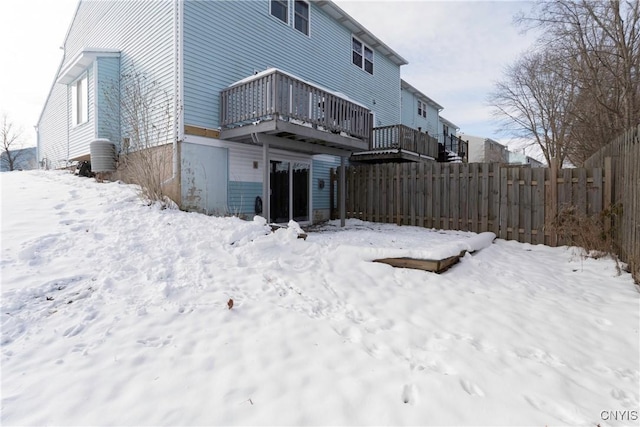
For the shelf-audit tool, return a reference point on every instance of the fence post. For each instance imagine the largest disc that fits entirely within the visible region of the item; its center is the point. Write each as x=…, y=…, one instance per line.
x=342, y=191
x=608, y=193
x=332, y=193
x=553, y=203
x=397, y=198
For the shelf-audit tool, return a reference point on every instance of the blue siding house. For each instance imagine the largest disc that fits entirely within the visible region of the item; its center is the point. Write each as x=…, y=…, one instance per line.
x=266, y=97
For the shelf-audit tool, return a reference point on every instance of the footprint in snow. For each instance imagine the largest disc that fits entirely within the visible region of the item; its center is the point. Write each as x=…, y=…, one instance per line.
x=156, y=342
x=567, y=416
x=410, y=394
x=471, y=388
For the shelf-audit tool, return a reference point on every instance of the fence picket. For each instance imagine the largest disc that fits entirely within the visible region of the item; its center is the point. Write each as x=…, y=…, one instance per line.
x=514, y=202
x=527, y=209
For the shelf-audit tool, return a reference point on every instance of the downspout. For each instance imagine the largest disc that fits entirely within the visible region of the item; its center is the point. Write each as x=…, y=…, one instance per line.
x=178, y=128
x=37, y=129
x=68, y=126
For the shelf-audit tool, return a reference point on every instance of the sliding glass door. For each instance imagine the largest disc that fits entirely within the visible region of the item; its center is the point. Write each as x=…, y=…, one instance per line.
x=290, y=191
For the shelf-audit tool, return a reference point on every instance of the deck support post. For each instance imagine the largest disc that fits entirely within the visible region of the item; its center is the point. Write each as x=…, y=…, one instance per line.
x=266, y=182
x=342, y=192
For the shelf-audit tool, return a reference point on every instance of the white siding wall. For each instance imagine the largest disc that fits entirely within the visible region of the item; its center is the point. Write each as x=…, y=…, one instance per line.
x=143, y=31
x=108, y=98
x=82, y=134
x=53, y=128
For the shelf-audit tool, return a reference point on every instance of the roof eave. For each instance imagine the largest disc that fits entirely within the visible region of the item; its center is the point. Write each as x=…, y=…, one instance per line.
x=406, y=85
x=81, y=61
x=334, y=11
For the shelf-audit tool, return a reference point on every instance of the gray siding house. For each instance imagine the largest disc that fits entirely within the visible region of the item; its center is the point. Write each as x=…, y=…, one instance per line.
x=486, y=150
x=23, y=159
x=266, y=97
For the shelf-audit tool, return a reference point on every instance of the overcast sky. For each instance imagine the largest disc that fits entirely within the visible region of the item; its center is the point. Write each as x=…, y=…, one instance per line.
x=455, y=49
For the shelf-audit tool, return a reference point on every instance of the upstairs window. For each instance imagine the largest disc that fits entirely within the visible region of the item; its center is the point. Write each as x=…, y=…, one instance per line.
x=422, y=109
x=80, y=100
x=280, y=9
x=301, y=16
x=362, y=55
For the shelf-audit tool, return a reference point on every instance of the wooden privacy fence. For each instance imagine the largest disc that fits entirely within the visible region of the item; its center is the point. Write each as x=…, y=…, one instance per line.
x=622, y=157
x=516, y=203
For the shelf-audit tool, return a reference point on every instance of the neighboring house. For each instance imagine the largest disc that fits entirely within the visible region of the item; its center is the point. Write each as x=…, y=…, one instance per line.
x=418, y=137
x=454, y=147
x=266, y=97
x=517, y=158
x=25, y=159
x=486, y=150
x=418, y=110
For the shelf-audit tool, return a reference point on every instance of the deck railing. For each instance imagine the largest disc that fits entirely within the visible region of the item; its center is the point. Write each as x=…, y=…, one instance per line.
x=277, y=95
x=455, y=144
x=405, y=138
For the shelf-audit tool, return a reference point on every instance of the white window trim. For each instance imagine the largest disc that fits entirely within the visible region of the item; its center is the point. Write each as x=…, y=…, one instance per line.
x=291, y=16
x=75, y=120
x=364, y=46
x=293, y=21
x=422, y=109
x=288, y=22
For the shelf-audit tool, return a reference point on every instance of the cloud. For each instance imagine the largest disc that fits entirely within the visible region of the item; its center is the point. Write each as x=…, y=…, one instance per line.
x=456, y=50
x=32, y=32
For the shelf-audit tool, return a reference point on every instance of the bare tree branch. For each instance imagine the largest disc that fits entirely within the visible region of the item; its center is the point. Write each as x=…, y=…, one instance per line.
x=11, y=144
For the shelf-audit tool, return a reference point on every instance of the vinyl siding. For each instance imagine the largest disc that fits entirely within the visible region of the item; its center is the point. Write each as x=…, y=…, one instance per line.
x=242, y=197
x=144, y=34
x=410, y=114
x=225, y=41
x=322, y=166
x=107, y=98
x=244, y=181
x=204, y=177
x=53, y=128
x=80, y=136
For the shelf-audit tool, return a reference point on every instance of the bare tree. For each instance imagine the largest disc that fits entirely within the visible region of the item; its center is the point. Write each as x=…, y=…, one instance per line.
x=535, y=101
x=142, y=110
x=11, y=144
x=600, y=43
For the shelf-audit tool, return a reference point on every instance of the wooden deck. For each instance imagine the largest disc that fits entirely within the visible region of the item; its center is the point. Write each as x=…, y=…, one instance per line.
x=281, y=105
x=399, y=143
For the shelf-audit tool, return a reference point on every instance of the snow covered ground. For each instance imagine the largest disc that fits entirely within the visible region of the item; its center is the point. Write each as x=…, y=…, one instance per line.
x=114, y=312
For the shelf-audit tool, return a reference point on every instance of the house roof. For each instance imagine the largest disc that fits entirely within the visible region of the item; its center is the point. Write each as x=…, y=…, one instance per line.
x=449, y=123
x=81, y=61
x=481, y=139
x=406, y=86
x=334, y=11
